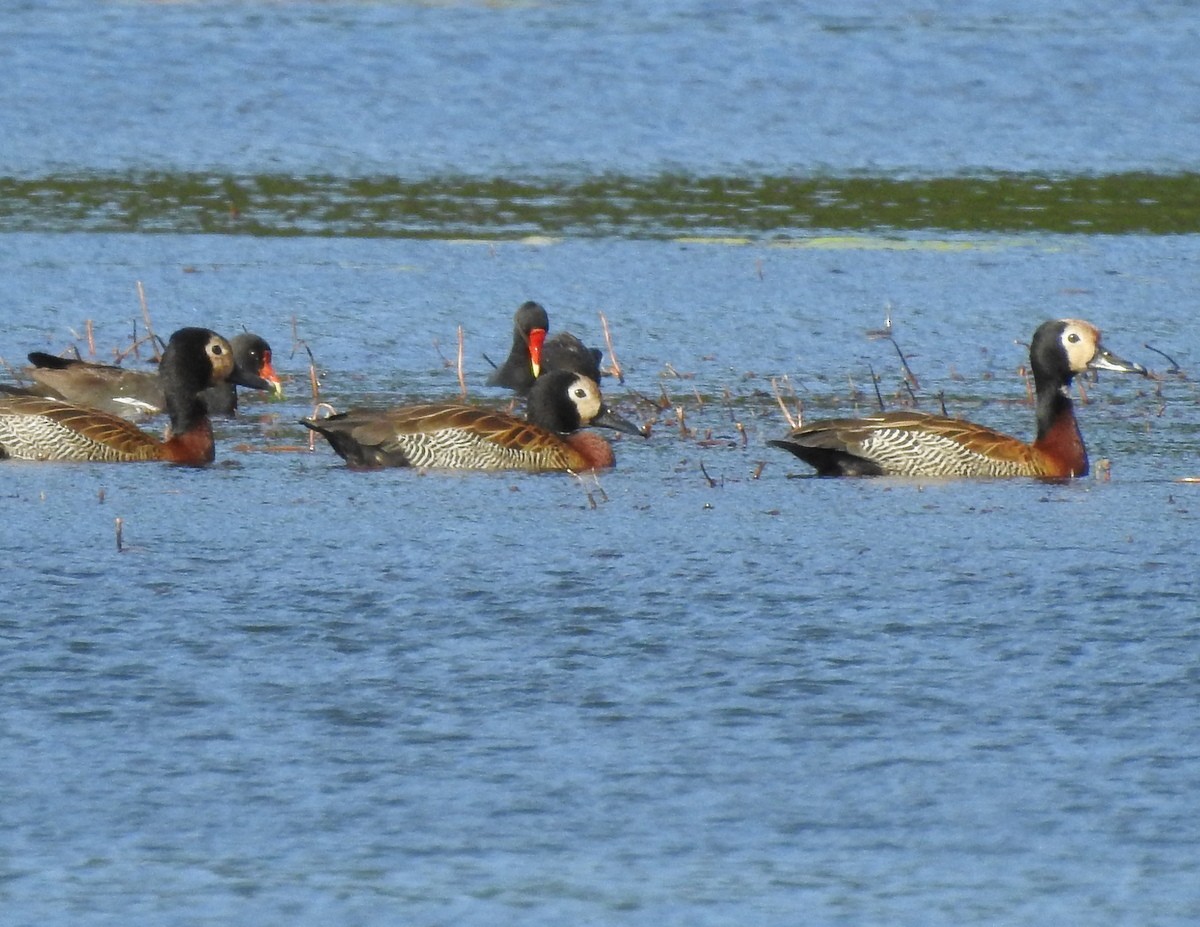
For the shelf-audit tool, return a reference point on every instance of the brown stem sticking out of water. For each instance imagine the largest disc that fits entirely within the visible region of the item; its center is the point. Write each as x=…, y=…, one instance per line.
x=146, y=318
x=910, y=378
x=614, y=365
x=1023, y=373
x=712, y=484
x=11, y=372
x=318, y=408
x=1162, y=400
x=1174, y=368
x=119, y=356
x=462, y=379
x=683, y=428
x=314, y=380
x=888, y=332
x=875, y=383
x=854, y=395
x=795, y=421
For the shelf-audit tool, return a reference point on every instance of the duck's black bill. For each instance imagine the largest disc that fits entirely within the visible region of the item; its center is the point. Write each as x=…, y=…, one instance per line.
x=609, y=419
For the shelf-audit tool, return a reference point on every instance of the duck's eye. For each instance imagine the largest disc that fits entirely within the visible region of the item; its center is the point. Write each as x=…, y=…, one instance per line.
x=218, y=350
x=1073, y=337
x=580, y=392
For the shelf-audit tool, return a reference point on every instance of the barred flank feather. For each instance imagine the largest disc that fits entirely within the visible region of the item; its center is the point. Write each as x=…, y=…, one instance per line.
x=32, y=428
x=913, y=444
x=445, y=436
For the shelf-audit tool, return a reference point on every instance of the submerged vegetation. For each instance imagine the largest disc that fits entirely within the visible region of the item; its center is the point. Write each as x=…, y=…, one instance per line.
x=664, y=206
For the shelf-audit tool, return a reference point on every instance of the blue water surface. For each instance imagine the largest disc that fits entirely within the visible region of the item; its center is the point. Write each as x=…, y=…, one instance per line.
x=516, y=88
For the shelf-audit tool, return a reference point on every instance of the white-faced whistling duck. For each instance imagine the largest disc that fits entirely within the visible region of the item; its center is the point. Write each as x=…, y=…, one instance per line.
x=466, y=437
x=918, y=444
x=36, y=428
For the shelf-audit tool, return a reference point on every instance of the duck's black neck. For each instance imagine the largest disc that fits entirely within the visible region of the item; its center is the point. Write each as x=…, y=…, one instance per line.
x=186, y=411
x=184, y=375
x=1058, y=435
x=1053, y=402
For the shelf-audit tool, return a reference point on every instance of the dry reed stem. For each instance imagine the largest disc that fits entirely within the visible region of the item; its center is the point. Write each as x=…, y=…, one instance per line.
x=793, y=422
x=119, y=356
x=712, y=484
x=855, y=396
x=12, y=372
x=318, y=407
x=446, y=362
x=910, y=378
x=120, y=524
x=313, y=379
x=462, y=379
x=1023, y=373
x=614, y=365
x=91, y=338
x=1174, y=368
x=146, y=318
x=875, y=383
x=888, y=332
x=683, y=428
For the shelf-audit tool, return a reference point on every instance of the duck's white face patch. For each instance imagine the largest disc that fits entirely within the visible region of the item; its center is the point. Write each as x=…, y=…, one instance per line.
x=585, y=394
x=220, y=354
x=1080, y=341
